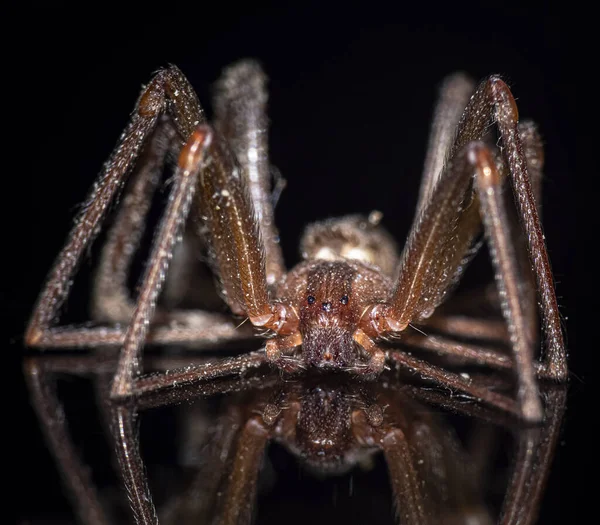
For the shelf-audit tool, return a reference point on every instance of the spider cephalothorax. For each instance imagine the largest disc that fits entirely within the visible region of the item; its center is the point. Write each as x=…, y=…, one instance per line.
x=329, y=293
x=334, y=295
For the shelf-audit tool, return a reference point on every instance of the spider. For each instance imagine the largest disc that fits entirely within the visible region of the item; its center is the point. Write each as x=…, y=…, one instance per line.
x=348, y=303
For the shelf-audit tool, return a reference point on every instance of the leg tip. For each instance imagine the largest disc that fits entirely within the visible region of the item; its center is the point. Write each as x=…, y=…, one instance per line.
x=33, y=337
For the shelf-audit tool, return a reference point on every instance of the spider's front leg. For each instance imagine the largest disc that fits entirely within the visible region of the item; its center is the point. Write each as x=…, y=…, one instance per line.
x=168, y=93
x=421, y=283
x=206, y=168
x=434, y=256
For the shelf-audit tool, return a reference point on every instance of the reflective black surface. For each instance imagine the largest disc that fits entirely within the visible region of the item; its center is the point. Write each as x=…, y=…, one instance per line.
x=327, y=448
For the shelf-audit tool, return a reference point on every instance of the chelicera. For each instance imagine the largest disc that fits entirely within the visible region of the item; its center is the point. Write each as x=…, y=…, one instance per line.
x=353, y=296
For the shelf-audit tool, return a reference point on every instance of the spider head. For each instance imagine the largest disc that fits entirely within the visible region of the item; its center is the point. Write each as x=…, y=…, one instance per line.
x=328, y=317
x=329, y=297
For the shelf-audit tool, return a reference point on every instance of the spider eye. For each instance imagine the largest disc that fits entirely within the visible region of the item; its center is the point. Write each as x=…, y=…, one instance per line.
x=310, y=299
x=344, y=299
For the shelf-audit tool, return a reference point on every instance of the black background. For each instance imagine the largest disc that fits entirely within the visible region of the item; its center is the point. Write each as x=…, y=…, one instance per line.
x=351, y=95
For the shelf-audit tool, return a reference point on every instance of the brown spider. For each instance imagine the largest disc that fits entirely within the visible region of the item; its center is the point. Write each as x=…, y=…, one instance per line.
x=345, y=305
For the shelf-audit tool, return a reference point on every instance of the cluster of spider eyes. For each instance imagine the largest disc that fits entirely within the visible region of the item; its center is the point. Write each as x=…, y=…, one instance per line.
x=327, y=305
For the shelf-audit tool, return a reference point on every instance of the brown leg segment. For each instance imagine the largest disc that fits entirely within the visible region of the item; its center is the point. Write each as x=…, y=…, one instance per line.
x=411, y=505
x=191, y=162
x=168, y=92
x=211, y=329
x=432, y=258
x=494, y=98
x=434, y=253
x=125, y=432
x=205, y=163
x=464, y=352
x=240, y=115
x=454, y=95
x=508, y=278
x=233, y=235
x=194, y=374
x=453, y=381
x=478, y=157
x=467, y=327
x=535, y=450
x=469, y=354
x=241, y=487
x=75, y=474
x=237, y=250
x=111, y=299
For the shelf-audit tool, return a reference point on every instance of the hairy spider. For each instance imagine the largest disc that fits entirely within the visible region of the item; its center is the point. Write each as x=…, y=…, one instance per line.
x=345, y=306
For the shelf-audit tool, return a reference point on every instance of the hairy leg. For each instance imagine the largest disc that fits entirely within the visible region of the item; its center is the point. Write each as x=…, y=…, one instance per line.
x=76, y=476
x=454, y=96
x=240, y=115
x=167, y=93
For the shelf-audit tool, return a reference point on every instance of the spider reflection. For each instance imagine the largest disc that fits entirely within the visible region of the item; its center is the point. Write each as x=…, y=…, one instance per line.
x=260, y=448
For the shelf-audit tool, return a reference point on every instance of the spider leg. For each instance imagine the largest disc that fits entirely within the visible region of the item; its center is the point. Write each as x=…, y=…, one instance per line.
x=206, y=164
x=240, y=107
x=508, y=278
x=453, y=381
x=533, y=149
x=467, y=327
x=236, y=248
x=240, y=492
x=195, y=374
x=433, y=259
x=534, y=154
x=125, y=431
x=509, y=281
x=410, y=501
x=532, y=461
x=490, y=329
x=494, y=98
x=456, y=325
x=75, y=475
x=191, y=162
x=240, y=116
x=167, y=93
x=466, y=353
x=454, y=96
x=111, y=299
x=462, y=352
